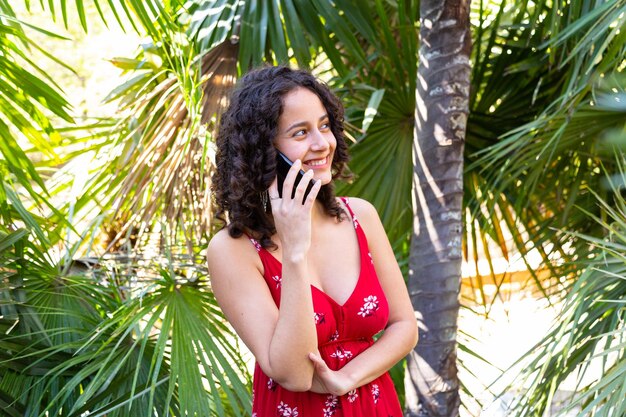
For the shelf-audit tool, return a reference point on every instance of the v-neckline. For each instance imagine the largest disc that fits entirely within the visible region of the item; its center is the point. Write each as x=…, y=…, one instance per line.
x=361, y=263
x=356, y=286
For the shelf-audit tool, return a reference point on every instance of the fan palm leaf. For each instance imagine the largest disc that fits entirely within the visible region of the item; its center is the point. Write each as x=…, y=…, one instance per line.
x=590, y=331
x=27, y=98
x=114, y=340
x=532, y=127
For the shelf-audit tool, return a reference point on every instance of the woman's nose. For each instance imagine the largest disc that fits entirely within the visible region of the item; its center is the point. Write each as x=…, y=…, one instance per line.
x=320, y=142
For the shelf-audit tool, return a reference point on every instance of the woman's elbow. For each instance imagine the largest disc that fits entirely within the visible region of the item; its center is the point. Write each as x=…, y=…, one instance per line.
x=295, y=381
x=295, y=384
x=415, y=337
x=412, y=335
x=290, y=379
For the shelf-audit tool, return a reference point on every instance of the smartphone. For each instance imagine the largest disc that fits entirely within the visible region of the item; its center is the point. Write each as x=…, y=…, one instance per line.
x=283, y=165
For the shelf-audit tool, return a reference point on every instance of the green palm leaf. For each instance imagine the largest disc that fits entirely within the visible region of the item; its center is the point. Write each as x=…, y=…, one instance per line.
x=24, y=100
x=590, y=331
x=96, y=350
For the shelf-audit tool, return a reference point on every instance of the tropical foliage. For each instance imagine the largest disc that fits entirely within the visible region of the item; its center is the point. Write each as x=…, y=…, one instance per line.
x=106, y=335
x=112, y=336
x=590, y=331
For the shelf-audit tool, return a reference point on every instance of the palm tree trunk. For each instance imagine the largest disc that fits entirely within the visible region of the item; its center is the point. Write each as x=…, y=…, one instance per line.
x=435, y=261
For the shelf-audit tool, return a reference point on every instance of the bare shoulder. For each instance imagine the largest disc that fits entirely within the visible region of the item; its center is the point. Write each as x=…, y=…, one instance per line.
x=224, y=250
x=369, y=219
x=221, y=241
x=364, y=210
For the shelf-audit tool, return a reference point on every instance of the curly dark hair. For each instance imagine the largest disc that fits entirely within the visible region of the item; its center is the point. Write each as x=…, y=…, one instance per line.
x=246, y=156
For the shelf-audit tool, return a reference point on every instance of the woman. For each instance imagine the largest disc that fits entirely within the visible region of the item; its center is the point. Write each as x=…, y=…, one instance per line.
x=297, y=278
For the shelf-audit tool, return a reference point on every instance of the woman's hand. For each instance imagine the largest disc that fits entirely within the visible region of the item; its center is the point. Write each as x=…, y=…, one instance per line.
x=327, y=381
x=292, y=216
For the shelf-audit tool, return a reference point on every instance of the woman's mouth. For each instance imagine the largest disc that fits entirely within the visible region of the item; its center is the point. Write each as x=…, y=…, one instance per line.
x=316, y=163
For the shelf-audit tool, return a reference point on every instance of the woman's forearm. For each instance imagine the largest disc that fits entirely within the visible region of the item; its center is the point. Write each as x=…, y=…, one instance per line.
x=395, y=343
x=294, y=335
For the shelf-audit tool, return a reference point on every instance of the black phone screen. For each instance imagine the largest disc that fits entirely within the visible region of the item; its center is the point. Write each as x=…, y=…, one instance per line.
x=283, y=165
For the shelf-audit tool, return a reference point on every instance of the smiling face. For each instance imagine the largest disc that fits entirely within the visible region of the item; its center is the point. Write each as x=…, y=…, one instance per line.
x=304, y=133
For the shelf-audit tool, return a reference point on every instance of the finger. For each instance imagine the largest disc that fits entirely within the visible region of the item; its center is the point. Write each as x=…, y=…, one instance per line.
x=303, y=184
x=291, y=178
x=273, y=192
x=317, y=361
x=310, y=199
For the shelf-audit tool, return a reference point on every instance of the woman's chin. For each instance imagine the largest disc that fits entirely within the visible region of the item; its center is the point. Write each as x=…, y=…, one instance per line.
x=326, y=178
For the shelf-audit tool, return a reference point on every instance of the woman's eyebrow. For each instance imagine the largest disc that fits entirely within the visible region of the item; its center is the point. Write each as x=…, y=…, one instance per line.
x=302, y=124
x=297, y=124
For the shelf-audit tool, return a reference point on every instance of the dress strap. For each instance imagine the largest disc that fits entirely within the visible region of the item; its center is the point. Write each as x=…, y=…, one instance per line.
x=352, y=215
x=255, y=242
x=360, y=233
x=270, y=263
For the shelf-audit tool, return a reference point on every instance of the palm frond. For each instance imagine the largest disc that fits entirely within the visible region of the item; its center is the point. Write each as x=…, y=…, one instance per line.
x=590, y=331
x=534, y=123
x=24, y=100
x=29, y=100
x=119, y=338
x=163, y=147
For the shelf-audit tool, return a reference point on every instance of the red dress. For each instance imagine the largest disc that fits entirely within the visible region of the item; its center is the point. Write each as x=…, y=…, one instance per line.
x=343, y=332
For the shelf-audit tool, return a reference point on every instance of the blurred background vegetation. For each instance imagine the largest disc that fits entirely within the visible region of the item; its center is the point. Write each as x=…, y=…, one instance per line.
x=105, y=204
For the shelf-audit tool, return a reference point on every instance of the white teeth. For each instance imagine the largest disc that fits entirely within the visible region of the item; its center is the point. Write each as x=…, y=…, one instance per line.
x=316, y=163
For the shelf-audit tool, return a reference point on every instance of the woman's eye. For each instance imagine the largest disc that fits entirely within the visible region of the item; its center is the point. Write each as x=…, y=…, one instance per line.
x=325, y=126
x=300, y=132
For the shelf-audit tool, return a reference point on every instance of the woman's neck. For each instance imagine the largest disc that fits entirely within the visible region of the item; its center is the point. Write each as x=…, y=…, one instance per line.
x=318, y=214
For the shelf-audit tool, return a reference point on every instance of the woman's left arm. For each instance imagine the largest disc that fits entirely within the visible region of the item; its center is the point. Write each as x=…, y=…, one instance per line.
x=400, y=335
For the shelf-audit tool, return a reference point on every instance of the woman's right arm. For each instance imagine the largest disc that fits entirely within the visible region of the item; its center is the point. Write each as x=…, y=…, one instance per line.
x=280, y=338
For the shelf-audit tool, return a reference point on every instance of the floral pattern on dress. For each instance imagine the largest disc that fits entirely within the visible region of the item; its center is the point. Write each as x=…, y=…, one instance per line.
x=278, y=280
x=331, y=404
x=341, y=353
x=355, y=222
x=319, y=318
x=285, y=411
x=369, y=307
x=271, y=384
x=352, y=396
x=375, y=393
x=256, y=244
x=334, y=336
